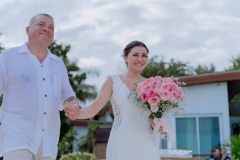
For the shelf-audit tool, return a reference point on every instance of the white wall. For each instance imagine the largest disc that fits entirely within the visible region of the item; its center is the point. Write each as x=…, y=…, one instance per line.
x=207, y=99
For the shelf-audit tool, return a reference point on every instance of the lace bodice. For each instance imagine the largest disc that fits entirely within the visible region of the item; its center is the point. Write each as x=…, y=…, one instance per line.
x=124, y=106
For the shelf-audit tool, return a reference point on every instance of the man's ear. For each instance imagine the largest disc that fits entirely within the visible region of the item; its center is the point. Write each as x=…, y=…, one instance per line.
x=27, y=30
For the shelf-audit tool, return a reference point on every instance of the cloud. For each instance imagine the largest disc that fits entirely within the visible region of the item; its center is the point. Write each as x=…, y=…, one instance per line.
x=97, y=30
x=90, y=62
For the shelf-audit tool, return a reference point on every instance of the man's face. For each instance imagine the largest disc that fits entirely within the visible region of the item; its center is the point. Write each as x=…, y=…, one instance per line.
x=223, y=151
x=41, y=31
x=217, y=152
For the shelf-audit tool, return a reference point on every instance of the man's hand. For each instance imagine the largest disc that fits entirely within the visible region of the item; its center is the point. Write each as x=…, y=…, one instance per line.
x=224, y=156
x=71, y=109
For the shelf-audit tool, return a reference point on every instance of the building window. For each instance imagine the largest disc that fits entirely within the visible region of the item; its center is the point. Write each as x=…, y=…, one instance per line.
x=199, y=134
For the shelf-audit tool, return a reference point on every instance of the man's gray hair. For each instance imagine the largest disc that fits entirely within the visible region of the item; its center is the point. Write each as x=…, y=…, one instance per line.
x=33, y=19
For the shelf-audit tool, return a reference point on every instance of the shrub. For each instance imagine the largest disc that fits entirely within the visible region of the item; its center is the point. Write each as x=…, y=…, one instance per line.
x=235, y=147
x=78, y=156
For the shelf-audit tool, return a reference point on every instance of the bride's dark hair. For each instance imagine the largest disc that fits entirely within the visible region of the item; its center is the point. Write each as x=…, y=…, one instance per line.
x=133, y=44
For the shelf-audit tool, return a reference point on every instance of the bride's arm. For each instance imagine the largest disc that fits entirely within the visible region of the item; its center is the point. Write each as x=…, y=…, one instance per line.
x=91, y=110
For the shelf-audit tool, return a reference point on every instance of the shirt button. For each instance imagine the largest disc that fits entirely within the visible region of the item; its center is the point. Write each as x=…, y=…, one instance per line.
x=43, y=79
x=41, y=65
x=45, y=113
x=45, y=95
x=43, y=130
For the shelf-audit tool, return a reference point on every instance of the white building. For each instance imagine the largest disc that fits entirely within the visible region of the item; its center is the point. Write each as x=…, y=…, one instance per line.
x=207, y=121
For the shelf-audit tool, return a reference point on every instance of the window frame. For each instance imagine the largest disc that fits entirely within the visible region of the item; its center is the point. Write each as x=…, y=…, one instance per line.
x=197, y=116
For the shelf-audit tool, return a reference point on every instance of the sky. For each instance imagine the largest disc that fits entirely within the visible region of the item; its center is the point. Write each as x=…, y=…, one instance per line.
x=193, y=31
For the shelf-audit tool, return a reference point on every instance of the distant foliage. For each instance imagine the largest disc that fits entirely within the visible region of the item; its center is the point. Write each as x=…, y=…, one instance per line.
x=201, y=69
x=166, y=69
x=174, y=68
x=234, y=63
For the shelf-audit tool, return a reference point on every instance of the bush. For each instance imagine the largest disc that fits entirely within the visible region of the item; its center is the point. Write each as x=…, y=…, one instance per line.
x=235, y=147
x=78, y=156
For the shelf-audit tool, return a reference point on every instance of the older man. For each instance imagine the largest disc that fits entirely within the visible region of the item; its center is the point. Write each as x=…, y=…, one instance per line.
x=35, y=84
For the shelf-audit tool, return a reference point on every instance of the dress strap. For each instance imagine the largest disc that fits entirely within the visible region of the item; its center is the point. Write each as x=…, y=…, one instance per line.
x=114, y=79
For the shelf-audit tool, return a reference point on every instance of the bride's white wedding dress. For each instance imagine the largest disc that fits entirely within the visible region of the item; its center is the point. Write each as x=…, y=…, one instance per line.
x=131, y=137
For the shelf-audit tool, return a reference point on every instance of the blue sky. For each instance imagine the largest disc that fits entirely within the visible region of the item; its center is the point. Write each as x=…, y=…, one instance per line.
x=196, y=31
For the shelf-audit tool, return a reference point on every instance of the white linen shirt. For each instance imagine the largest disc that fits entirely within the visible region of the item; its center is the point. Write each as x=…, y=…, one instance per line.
x=33, y=94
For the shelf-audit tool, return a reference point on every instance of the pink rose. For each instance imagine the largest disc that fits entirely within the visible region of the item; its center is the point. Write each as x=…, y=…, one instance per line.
x=148, y=88
x=175, y=96
x=158, y=79
x=165, y=87
x=173, y=86
x=151, y=93
x=164, y=96
x=144, y=97
x=167, y=80
x=153, y=101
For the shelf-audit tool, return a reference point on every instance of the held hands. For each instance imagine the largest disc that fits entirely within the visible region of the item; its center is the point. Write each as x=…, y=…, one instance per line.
x=71, y=109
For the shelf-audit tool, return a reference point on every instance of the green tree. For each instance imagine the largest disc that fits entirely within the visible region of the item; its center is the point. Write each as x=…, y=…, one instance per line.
x=234, y=63
x=160, y=67
x=201, y=69
x=165, y=69
x=174, y=68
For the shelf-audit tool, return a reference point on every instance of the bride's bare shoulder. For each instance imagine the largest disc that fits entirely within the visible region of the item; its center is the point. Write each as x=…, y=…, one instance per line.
x=107, y=84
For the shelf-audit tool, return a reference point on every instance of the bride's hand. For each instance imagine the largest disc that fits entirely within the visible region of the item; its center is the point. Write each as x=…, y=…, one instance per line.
x=152, y=124
x=71, y=109
x=160, y=129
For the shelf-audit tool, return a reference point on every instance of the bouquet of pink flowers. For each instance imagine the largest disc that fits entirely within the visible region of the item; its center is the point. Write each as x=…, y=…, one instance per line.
x=160, y=96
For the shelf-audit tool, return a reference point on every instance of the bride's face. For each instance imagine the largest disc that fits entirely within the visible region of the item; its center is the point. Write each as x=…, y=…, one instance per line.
x=137, y=59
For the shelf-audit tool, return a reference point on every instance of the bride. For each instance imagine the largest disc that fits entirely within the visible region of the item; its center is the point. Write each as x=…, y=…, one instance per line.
x=131, y=137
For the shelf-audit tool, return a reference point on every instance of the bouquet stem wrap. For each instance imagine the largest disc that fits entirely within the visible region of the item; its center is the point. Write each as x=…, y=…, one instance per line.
x=159, y=122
